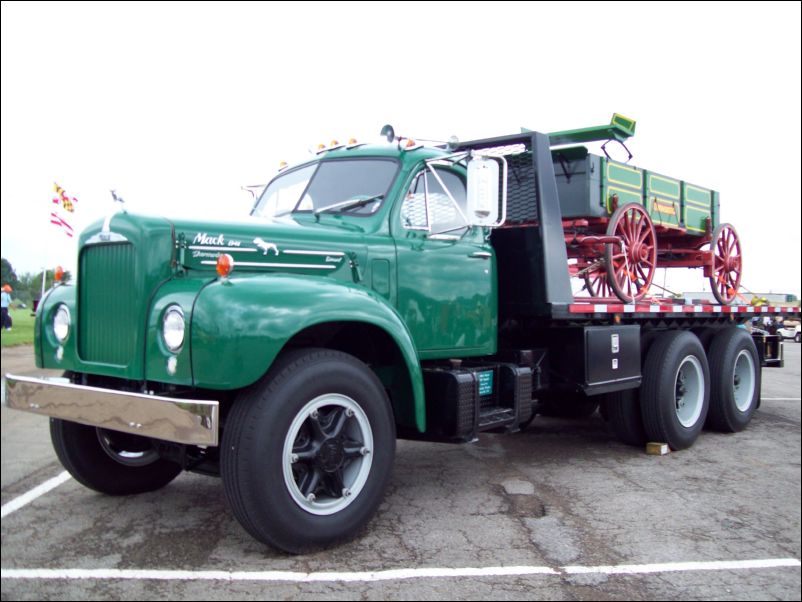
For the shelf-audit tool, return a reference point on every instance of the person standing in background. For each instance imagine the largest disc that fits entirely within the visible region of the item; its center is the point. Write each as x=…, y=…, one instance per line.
x=5, y=298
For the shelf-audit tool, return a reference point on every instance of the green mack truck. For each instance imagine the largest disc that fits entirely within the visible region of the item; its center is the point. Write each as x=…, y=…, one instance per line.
x=379, y=292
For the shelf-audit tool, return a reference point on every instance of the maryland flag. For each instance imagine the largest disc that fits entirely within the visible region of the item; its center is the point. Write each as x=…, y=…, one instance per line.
x=63, y=203
x=62, y=198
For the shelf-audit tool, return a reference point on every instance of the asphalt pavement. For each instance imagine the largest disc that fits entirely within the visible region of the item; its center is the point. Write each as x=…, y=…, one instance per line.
x=560, y=512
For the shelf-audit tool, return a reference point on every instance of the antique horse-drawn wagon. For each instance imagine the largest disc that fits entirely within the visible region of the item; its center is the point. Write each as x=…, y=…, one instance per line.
x=621, y=222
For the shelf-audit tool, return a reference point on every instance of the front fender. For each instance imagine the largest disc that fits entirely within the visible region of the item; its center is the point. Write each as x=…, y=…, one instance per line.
x=240, y=325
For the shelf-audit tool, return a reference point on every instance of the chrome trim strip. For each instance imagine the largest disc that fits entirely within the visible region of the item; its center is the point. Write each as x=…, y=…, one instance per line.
x=106, y=237
x=227, y=249
x=322, y=253
x=189, y=421
x=258, y=264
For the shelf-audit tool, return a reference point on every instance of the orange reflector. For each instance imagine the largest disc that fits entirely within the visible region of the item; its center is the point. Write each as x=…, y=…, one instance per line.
x=352, y=141
x=225, y=263
x=282, y=165
x=334, y=143
x=58, y=273
x=321, y=146
x=410, y=142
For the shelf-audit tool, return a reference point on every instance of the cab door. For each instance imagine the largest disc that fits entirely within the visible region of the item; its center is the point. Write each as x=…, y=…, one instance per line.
x=446, y=270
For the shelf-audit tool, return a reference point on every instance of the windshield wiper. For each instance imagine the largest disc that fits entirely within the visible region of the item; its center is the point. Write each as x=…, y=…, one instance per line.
x=350, y=204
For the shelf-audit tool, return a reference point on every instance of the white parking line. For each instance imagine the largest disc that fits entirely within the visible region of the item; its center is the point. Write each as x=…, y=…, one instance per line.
x=671, y=567
x=27, y=498
x=396, y=574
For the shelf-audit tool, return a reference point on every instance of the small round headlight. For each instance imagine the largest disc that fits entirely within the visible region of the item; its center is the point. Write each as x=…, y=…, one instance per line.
x=173, y=328
x=62, y=323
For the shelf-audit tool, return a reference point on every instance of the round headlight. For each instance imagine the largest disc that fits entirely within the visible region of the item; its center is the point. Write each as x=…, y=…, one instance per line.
x=62, y=323
x=173, y=328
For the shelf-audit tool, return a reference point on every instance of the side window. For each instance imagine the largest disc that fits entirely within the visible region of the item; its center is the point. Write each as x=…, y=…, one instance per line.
x=443, y=213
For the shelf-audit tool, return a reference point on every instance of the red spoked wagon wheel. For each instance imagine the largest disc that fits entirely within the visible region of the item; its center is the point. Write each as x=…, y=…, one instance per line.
x=631, y=264
x=596, y=283
x=727, y=263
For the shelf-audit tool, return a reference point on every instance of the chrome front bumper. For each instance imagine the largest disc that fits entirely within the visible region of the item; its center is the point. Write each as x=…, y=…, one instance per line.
x=190, y=421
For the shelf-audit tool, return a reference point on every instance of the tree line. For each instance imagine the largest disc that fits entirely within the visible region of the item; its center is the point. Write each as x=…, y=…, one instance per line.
x=27, y=285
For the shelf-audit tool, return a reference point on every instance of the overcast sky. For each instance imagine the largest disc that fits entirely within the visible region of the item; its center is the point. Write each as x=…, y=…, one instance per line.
x=178, y=105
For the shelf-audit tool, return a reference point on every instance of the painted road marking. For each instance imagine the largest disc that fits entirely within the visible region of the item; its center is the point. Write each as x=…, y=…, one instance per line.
x=397, y=574
x=27, y=498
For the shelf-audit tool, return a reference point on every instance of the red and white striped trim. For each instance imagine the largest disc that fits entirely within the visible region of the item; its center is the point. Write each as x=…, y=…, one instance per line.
x=643, y=308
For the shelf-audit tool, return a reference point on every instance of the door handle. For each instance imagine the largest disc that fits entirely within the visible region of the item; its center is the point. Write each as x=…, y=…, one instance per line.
x=481, y=255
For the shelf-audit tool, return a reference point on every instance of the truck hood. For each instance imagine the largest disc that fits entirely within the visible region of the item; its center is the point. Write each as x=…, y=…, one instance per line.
x=256, y=245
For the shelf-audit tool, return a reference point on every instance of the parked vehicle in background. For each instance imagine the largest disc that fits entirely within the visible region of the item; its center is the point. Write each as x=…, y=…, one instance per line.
x=790, y=332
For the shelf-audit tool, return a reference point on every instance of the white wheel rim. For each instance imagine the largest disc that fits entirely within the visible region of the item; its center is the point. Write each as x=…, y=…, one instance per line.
x=689, y=391
x=299, y=468
x=743, y=381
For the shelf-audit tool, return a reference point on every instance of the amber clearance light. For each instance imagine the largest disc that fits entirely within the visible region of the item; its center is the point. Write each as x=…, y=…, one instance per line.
x=58, y=273
x=225, y=263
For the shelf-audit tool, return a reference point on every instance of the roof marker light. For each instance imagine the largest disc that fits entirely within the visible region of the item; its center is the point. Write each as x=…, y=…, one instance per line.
x=58, y=273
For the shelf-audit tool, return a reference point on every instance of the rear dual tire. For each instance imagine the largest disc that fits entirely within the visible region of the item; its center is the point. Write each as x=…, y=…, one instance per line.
x=683, y=388
x=675, y=394
x=735, y=380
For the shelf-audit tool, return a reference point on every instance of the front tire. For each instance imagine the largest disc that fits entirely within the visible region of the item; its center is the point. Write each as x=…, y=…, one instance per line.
x=307, y=453
x=109, y=461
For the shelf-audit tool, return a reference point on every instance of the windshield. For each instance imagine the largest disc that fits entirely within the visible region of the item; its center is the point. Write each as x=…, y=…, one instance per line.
x=327, y=183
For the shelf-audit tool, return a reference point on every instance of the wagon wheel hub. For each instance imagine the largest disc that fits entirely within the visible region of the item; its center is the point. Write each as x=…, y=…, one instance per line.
x=732, y=263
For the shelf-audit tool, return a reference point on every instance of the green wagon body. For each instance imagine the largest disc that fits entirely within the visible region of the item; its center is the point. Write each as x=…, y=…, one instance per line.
x=592, y=186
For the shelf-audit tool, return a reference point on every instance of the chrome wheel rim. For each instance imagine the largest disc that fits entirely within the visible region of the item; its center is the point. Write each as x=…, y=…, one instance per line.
x=327, y=454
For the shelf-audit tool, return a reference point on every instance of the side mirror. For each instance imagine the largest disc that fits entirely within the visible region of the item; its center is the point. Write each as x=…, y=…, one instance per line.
x=483, y=183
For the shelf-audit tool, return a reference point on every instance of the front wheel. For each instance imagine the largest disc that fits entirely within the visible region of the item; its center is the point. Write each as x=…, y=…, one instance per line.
x=109, y=461
x=631, y=264
x=307, y=453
